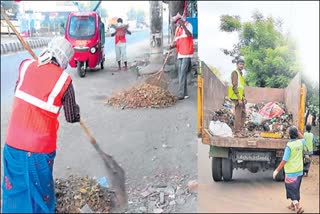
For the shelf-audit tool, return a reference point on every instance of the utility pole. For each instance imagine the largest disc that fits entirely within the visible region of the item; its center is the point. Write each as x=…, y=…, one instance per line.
x=174, y=8
x=156, y=35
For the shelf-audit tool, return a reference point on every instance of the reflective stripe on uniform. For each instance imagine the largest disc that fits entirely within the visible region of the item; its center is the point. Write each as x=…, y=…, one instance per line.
x=48, y=106
x=36, y=102
x=57, y=88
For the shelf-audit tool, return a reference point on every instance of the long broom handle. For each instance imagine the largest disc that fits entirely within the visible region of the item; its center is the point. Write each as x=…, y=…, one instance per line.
x=26, y=45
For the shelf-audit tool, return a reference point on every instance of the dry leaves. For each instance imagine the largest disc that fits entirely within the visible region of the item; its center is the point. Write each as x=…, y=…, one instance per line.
x=142, y=96
x=75, y=192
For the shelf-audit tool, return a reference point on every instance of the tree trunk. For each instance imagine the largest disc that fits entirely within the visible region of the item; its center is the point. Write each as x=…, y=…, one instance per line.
x=156, y=35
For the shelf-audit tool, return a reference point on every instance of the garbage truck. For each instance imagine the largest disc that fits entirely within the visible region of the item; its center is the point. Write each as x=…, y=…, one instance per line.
x=252, y=153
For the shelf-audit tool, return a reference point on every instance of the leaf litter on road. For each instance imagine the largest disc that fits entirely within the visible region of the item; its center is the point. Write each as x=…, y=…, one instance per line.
x=75, y=193
x=142, y=96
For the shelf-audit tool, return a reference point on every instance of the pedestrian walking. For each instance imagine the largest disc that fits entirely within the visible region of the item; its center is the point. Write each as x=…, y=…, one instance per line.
x=292, y=162
x=310, y=141
x=120, y=43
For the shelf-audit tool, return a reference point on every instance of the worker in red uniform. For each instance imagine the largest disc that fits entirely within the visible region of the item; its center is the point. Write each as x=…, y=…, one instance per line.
x=120, y=43
x=42, y=88
x=185, y=49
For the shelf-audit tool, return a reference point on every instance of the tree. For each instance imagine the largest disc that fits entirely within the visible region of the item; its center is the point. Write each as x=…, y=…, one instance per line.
x=270, y=56
x=132, y=14
x=140, y=16
x=87, y=6
x=215, y=71
x=312, y=95
x=10, y=7
x=230, y=23
x=103, y=12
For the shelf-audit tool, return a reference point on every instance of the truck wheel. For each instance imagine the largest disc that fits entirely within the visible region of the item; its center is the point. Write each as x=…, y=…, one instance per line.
x=216, y=169
x=81, y=71
x=280, y=175
x=227, y=169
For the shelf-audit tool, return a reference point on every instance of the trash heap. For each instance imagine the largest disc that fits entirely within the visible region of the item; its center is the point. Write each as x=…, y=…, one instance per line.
x=269, y=117
x=142, y=96
x=81, y=194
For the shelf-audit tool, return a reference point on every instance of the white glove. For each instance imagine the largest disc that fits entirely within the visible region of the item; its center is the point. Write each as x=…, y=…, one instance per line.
x=275, y=172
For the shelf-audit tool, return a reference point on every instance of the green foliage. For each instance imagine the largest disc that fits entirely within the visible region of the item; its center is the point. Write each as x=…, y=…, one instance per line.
x=230, y=23
x=11, y=7
x=138, y=15
x=104, y=13
x=312, y=95
x=270, y=56
x=215, y=71
x=270, y=59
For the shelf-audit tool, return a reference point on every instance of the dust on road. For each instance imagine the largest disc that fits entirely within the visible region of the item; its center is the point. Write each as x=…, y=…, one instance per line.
x=154, y=146
x=251, y=193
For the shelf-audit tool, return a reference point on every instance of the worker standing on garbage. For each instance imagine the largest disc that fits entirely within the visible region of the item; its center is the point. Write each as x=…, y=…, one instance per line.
x=42, y=88
x=237, y=95
x=184, y=43
x=293, y=166
x=310, y=140
x=120, y=43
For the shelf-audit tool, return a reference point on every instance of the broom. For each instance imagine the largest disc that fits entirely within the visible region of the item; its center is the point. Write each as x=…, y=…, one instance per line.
x=116, y=175
x=159, y=78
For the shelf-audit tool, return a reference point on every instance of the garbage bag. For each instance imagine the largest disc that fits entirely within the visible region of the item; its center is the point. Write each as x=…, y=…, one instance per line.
x=220, y=129
x=257, y=119
x=271, y=110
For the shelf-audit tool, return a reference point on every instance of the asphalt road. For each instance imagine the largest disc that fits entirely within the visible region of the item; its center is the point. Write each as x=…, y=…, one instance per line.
x=248, y=192
x=135, y=138
x=10, y=62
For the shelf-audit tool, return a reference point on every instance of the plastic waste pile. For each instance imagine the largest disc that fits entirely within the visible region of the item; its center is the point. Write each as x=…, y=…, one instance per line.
x=271, y=117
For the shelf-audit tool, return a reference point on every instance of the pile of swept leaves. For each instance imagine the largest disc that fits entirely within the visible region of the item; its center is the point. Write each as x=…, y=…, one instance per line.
x=74, y=192
x=142, y=96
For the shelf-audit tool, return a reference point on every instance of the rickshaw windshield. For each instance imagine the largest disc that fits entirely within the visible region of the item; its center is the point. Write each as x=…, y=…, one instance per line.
x=82, y=27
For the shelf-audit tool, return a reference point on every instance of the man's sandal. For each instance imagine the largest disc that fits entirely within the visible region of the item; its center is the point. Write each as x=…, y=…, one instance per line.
x=300, y=210
x=291, y=207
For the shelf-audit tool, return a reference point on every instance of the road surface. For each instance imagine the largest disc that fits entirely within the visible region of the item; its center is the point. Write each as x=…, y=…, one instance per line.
x=10, y=62
x=250, y=193
x=135, y=138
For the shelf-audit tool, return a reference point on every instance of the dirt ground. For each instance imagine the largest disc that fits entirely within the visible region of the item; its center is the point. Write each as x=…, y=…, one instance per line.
x=251, y=193
x=156, y=147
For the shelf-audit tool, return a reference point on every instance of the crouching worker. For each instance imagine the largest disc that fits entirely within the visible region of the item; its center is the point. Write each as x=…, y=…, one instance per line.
x=42, y=88
x=293, y=166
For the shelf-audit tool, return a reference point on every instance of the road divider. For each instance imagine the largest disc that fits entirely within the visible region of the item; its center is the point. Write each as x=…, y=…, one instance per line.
x=15, y=46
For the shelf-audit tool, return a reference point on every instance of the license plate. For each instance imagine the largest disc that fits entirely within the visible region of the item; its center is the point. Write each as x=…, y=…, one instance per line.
x=256, y=156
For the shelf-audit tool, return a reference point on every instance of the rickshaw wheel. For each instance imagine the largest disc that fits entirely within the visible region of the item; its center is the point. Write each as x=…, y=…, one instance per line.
x=80, y=69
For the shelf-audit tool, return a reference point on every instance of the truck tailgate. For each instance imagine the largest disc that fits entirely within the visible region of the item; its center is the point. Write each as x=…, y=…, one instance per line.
x=261, y=143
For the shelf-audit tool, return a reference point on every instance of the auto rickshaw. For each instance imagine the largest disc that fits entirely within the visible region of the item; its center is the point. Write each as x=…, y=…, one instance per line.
x=85, y=31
